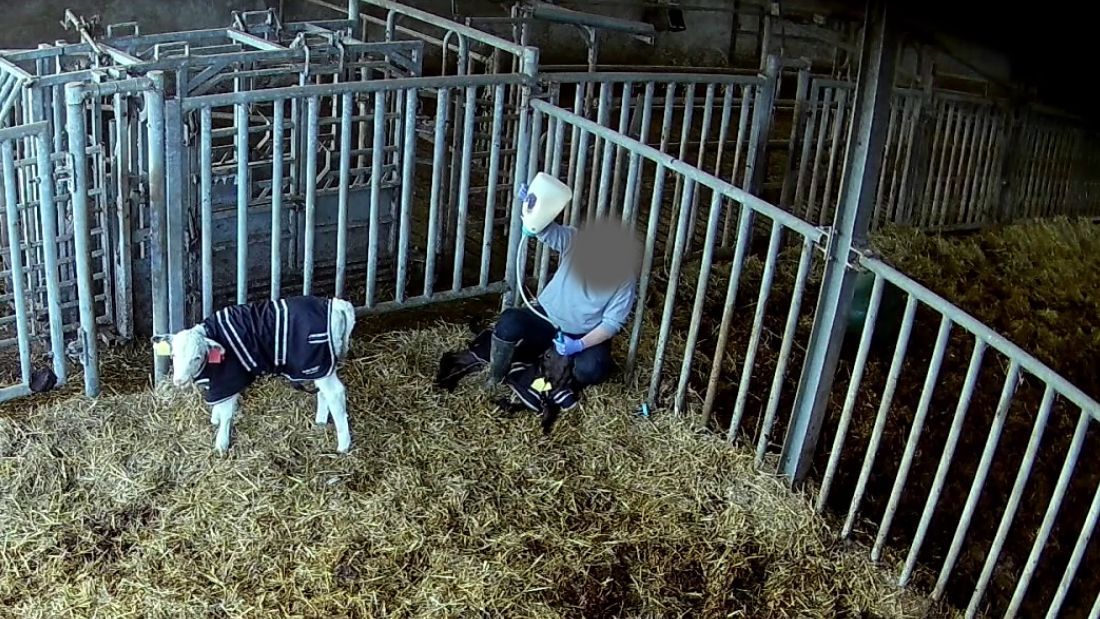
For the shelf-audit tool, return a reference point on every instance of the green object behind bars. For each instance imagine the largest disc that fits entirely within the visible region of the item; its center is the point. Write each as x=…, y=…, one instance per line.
x=890, y=313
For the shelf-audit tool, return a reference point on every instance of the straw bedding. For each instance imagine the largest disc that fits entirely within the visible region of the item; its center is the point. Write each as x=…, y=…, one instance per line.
x=118, y=507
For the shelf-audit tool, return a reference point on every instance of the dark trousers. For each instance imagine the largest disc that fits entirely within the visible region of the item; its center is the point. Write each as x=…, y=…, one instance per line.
x=534, y=335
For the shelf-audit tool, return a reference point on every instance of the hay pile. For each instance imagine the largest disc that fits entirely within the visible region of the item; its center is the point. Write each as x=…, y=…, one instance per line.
x=445, y=508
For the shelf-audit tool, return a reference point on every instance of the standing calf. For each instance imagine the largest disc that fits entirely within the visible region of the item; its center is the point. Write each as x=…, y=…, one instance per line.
x=300, y=338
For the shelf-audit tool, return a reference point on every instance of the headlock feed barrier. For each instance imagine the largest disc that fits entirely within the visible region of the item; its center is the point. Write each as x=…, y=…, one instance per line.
x=150, y=179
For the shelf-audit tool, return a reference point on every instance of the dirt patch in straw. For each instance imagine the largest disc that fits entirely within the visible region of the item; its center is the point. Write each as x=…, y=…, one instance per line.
x=444, y=508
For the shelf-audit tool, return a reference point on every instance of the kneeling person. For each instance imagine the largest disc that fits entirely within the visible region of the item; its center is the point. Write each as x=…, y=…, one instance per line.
x=587, y=301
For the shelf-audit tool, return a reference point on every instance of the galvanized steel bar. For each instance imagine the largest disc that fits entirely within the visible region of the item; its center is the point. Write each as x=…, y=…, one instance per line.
x=656, y=199
x=804, y=158
x=1075, y=558
x=78, y=144
x=827, y=210
x=946, y=459
x=243, y=198
x=790, y=330
x=469, y=108
x=723, y=128
x=822, y=129
x=438, y=156
x=277, y=155
x=915, y=430
x=896, y=366
x=15, y=255
x=624, y=128
x=206, y=216
x=595, y=181
x=1007, y=392
x=670, y=292
x=48, y=217
x=749, y=362
x=1026, y=361
x=872, y=100
x=700, y=300
x=523, y=138
x=1054, y=505
x=311, y=145
x=346, y=103
x=691, y=172
x=377, y=163
x=1022, y=475
x=744, y=232
x=408, y=172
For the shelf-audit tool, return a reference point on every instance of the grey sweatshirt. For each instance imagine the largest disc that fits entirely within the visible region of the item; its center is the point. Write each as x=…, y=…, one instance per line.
x=574, y=307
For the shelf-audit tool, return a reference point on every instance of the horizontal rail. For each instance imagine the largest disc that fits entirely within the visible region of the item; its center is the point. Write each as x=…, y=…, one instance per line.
x=579, y=77
x=446, y=24
x=995, y=340
x=23, y=131
x=328, y=90
x=811, y=232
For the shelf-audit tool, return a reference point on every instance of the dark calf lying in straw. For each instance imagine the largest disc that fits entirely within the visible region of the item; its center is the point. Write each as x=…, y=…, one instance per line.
x=546, y=387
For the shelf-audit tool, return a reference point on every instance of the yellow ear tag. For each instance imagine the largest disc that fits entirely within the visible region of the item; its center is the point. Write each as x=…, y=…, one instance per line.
x=541, y=385
x=162, y=349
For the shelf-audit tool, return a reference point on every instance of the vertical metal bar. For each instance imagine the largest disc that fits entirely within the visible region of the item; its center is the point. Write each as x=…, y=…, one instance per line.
x=176, y=175
x=970, y=175
x=723, y=128
x=603, y=117
x=346, y=103
x=124, y=316
x=704, y=132
x=947, y=161
x=749, y=362
x=277, y=154
x=647, y=265
x=826, y=114
x=797, y=120
x=872, y=100
x=685, y=136
x=891, y=144
x=905, y=199
x=936, y=159
x=553, y=159
x=670, y=292
x=744, y=232
x=469, y=108
x=1009, y=514
x=1075, y=558
x=312, y=144
x=576, y=206
x=666, y=118
x=378, y=151
x=946, y=459
x=608, y=152
x=48, y=215
x=443, y=95
x=896, y=366
x=915, y=430
x=574, y=142
x=827, y=210
x=789, y=333
x=1011, y=380
x=1084, y=420
x=700, y=300
x=15, y=249
x=523, y=138
x=890, y=207
x=243, y=198
x=804, y=158
x=408, y=165
x=77, y=137
x=624, y=128
x=207, y=213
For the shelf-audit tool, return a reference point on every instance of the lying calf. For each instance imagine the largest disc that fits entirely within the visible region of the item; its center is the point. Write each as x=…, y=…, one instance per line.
x=301, y=338
x=546, y=387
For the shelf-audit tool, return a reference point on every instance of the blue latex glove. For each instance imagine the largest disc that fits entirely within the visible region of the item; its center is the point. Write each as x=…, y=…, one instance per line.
x=567, y=346
x=527, y=202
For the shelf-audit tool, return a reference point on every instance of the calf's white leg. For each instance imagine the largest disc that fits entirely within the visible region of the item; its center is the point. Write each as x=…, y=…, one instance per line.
x=335, y=397
x=322, y=409
x=224, y=412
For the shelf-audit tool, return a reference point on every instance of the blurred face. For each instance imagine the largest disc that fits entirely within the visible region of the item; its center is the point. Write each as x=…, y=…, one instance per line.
x=605, y=255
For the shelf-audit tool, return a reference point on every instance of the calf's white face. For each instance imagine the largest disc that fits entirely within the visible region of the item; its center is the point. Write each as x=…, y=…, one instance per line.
x=189, y=350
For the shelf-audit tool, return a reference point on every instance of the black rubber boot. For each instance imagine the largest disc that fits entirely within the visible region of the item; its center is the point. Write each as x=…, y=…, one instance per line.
x=500, y=360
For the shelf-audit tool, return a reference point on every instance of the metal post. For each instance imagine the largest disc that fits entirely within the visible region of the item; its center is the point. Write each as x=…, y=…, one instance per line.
x=523, y=141
x=78, y=137
x=175, y=177
x=48, y=217
x=867, y=137
x=154, y=105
